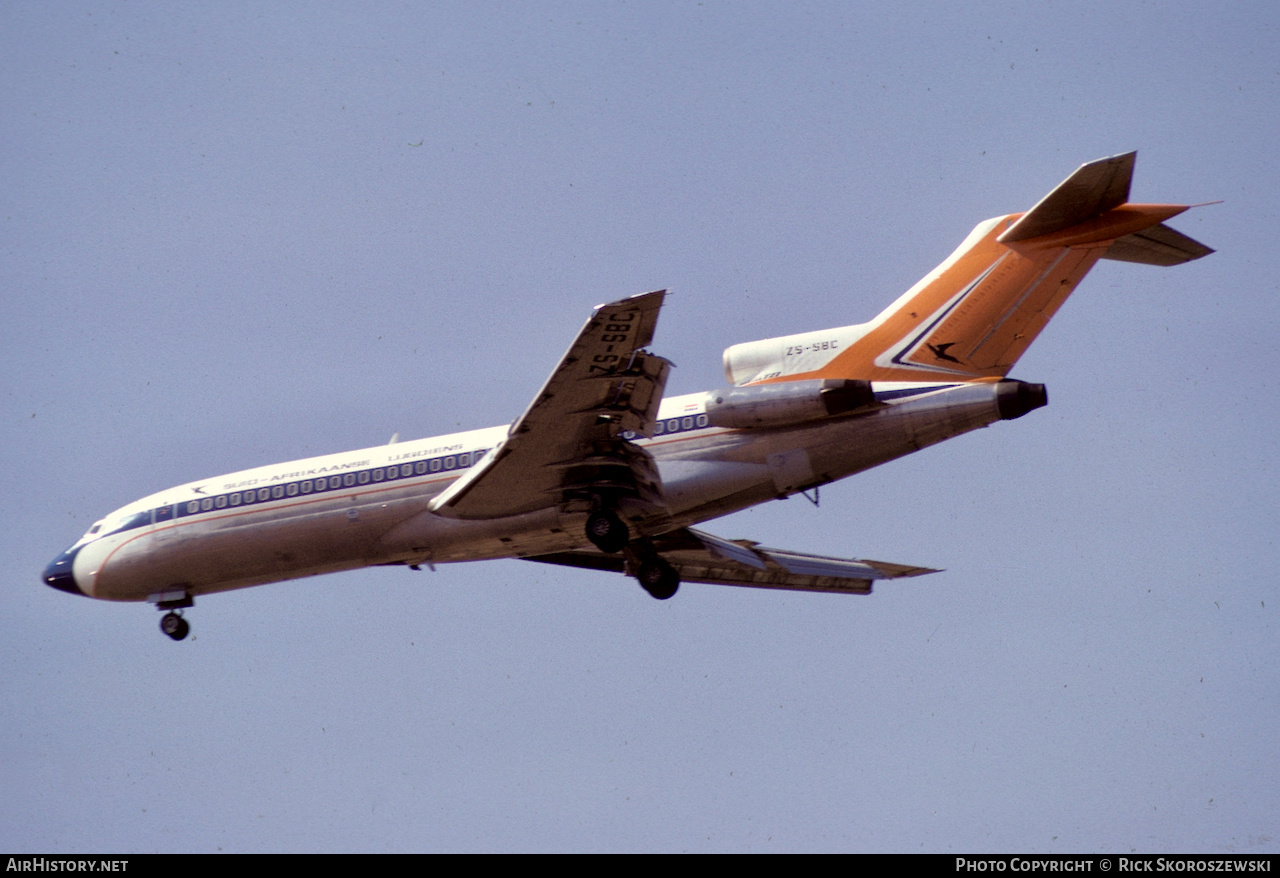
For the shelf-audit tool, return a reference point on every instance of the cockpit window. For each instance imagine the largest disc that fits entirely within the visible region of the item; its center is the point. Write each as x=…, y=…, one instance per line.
x=138, y=519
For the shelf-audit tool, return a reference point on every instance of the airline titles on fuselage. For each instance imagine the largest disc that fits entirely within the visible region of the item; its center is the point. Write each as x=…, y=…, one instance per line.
x=335, y=468
x=441, y=449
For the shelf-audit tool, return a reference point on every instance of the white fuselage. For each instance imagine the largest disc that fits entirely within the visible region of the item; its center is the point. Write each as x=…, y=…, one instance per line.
x=370, y=507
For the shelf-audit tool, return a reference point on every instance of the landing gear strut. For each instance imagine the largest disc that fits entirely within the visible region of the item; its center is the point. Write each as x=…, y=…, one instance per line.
x=607, y=531
x=174, y=625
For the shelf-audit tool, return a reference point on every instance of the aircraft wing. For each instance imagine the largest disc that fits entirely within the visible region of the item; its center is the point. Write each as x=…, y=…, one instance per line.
x=568, y=442
x=703, y=557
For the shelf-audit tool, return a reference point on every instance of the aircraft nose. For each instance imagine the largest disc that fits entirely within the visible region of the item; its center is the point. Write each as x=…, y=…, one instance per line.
x=59, y=573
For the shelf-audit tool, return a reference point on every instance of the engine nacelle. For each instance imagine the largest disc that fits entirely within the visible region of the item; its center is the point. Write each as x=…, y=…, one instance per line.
x=788, y=402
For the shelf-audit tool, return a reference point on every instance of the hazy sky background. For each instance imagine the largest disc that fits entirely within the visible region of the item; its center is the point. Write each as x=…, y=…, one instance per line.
x=236, y=234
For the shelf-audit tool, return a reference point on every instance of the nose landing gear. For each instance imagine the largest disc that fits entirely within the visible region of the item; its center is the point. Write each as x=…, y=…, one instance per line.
x=174, y=602
x=174, y=625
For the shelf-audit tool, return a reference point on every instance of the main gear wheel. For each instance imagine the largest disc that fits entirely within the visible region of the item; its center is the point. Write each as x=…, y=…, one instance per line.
x=658, y=578
x=607, y=532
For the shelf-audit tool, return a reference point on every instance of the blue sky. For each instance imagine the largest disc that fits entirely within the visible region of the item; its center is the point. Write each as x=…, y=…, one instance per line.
x=237, y=234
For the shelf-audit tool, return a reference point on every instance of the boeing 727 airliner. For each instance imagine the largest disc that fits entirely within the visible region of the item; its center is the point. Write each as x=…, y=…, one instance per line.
x=602, y=472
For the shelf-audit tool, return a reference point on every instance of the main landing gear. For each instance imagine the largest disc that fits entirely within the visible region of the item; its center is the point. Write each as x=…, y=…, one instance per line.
x=654, y=572
x=658, y=577
x=174, y=625
x=607, y=532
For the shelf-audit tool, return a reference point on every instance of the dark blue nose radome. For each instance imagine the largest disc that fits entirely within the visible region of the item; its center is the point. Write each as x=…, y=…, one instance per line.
x=59, y=575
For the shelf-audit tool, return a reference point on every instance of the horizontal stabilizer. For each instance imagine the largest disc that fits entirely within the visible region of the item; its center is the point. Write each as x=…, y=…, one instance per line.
x=1157, y=245
x=702, y=557
x=1091, y=191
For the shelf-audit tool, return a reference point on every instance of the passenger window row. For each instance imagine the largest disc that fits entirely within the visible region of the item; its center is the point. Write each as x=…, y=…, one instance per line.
x=302, y=487
x=672, y=425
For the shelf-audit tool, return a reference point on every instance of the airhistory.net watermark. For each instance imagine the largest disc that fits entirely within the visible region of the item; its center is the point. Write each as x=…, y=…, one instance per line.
x=59, y=864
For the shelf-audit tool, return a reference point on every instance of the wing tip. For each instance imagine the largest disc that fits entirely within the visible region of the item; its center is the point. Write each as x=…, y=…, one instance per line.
x=900, y=571
x=633, y=301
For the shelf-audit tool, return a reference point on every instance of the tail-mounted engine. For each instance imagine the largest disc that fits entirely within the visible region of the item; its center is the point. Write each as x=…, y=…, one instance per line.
x=788, y=402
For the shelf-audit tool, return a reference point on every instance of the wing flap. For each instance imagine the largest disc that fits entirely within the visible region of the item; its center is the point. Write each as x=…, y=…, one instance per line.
x=703, y=557
x=569, y=438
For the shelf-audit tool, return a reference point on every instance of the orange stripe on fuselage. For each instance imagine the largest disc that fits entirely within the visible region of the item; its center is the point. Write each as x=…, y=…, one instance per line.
x=979, y=314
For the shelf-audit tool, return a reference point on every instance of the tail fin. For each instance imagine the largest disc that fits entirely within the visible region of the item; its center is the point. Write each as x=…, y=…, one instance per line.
x=974, y=315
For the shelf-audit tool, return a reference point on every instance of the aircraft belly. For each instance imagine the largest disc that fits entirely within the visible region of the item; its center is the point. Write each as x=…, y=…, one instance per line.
x=894, y=431
x=757, y=465
x=429, y=537
x=687, y=484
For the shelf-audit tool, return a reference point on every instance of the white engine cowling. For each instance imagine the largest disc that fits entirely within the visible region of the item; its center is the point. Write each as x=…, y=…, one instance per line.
x=788, y=402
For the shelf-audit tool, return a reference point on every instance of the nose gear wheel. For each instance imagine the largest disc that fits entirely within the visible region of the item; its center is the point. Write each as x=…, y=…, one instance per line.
x=174, y=625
